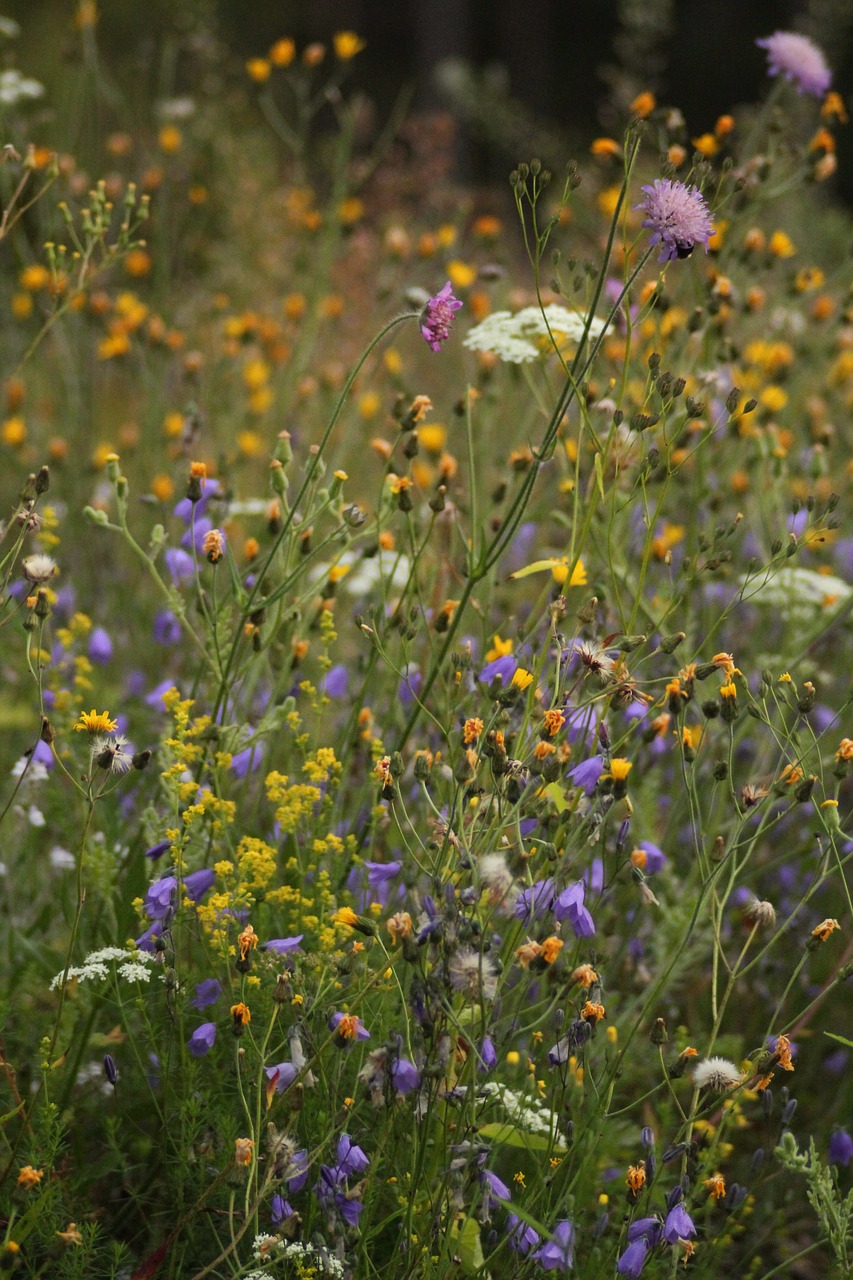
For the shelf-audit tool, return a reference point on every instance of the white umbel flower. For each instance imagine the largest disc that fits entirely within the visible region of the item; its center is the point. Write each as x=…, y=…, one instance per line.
x=716, y=1073
x=526, y=335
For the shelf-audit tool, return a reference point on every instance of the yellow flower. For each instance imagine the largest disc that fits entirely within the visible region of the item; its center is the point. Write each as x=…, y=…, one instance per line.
x=620, y=768
x=522, y=679
x=824, y=929
x=170, y=139
x=258, y=69
x=96, y=722
x=461, y=275
x=347, y=45
x=644, y=104
x=500, y=648
x=560, y=572
x=71, y=1235
x=345, y=916
x=781, y=245
x=605, y=147
x=30, y=1177
x=282, y=53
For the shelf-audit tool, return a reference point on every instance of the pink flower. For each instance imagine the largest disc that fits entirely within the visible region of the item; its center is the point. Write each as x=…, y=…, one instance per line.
x=437, y=317
x=799, y=60
x=678, y=218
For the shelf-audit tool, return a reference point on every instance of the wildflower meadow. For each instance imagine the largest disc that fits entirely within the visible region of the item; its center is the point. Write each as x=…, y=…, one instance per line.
x=426, y=701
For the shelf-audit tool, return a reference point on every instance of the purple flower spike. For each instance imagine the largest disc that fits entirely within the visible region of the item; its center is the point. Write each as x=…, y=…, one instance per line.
x=437, y=317
x=202, y=1039
x=558, y=1253
x=799, y=60
x=677, y=217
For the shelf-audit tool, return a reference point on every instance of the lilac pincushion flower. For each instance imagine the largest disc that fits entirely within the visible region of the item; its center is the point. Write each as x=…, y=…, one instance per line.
x=677, y=217
x=799, y=60
x=437, y=317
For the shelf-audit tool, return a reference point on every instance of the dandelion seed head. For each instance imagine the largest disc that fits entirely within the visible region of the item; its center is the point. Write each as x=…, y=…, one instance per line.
x=716, y=1073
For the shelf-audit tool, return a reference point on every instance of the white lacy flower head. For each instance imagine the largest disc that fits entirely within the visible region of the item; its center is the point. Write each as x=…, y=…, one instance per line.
x=15, y=88
x=796, y=588
x=133, y=966
x=716, y=1073
x=267, y=1248
x=528, y=334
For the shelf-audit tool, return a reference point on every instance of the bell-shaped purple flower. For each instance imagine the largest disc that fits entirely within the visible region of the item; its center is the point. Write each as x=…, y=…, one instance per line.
x=558, y=1253
x=206, y=993
x=520, y=1237
x=570, y=906
x=202, y=1039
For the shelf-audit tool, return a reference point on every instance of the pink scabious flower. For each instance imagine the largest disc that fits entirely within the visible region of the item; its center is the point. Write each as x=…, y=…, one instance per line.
x=799, y=60
x=437, y=317
x=678, y=218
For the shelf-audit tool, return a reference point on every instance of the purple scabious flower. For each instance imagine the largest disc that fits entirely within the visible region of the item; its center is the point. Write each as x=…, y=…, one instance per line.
x=100, y=646
x=166, y=629
x=570, y=906
x=799, y=60
x=202, y=1039
x=520, y=1237
x=840, y=1148
x=437, y=317
x=558, y=1253
x=677, y=217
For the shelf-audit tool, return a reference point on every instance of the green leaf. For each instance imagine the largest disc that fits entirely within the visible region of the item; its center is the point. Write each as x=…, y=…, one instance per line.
x=469, y=1246
x=840, y=1039
x=536, y=567
x=512, y=1137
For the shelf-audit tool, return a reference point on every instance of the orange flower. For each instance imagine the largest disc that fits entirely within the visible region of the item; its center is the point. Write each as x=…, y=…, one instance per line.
x=783, y=1053
x=716, y=1185
x=247, y=941
x=636, y=1178
x=244, y=1149
x=825, y=928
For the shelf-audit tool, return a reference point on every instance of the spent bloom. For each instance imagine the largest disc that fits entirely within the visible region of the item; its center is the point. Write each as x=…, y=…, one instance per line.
x=799, y=60
x=677, y=217
x=437, y=317
x=716, y=1073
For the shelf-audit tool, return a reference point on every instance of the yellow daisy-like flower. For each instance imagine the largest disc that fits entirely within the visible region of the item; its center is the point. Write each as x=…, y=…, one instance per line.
x=96, y=722
x=347, y=45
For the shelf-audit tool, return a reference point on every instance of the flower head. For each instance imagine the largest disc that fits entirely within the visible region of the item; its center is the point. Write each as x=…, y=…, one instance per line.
x=799, y=60
x=716, y=1073
x=677, y=217
x=558, y=1253
x=96, y=722
x=437, y=317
